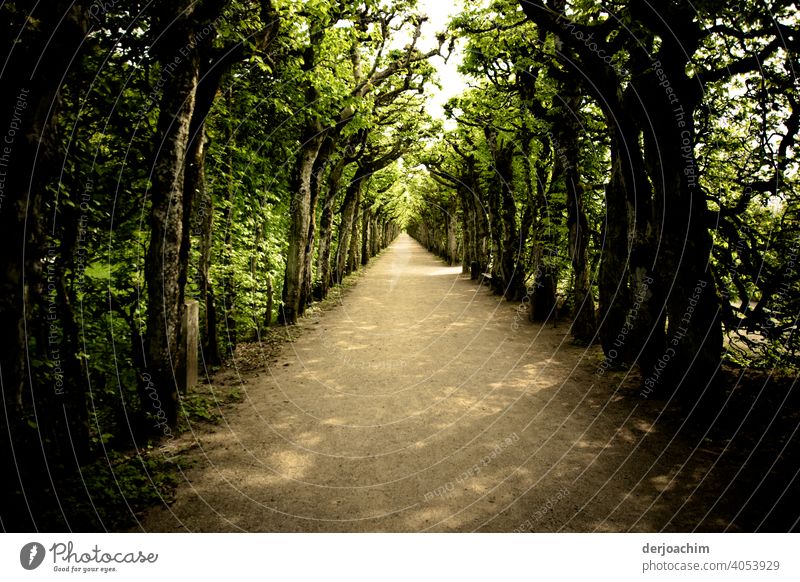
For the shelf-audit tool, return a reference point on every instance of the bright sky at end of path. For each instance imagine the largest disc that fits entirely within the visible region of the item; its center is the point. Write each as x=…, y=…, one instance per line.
x=439, y=13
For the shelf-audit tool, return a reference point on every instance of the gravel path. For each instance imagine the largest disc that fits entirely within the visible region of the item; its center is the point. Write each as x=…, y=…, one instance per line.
x=424, y=403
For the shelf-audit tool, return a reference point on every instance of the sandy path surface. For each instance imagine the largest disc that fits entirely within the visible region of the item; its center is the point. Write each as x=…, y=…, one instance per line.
x=424, y=403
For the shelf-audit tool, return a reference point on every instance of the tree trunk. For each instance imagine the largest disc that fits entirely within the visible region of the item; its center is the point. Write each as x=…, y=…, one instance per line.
x=352, y=253
x=270, y=302
x=512, y=269
x=543, y=303
x=374, y=238
x=74, y=411
x=197, y=199
x=348, y=211
x=229, y=290
x=163, y=270
x=387, y=235
x=614, y=299
x=507, y=271
x=630, y=305
x=567, y=127
x=294, y=279
x=543, y=249
x=693, y=346
x=317, y=186
x=324, y=253
x=365, y=234
x=450, y=225
x=481, y=231
x=30, y=160
x=306, y=295
x=326, y=228
x=205, y=229
x=495, y=231
x=467, y=230
x=303, y=194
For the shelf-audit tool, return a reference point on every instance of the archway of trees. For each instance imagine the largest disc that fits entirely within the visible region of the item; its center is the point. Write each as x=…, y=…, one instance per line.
x=629, y=168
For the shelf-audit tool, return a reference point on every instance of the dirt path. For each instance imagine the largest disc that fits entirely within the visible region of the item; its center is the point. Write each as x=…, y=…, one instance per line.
x=424, y=403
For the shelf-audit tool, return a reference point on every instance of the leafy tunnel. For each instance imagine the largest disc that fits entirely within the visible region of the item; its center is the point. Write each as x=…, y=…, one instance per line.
x=628, y=168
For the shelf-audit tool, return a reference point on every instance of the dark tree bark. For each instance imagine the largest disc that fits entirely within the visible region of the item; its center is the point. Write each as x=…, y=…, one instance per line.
x=294, y=280
x=495, y=232
x=229, y=290
x=36, y=60
x=693, y=349
x=682, y=266
x=451, y=251
x=479, y=223
x=270, y=301
x=205, y=231
x=508, y=274
x=304, y=192
x=481, y=233
x=543, y=302
x=326, y=228
x=348, y=212
x=567, y=131
x=613, y=297
x=467, y=230
x=75, y=410
x=353, y=250
x=318, y=185
x=374, y=238
x=197, y=200
x=631, y=314
x=164, y=273
x=365, y=235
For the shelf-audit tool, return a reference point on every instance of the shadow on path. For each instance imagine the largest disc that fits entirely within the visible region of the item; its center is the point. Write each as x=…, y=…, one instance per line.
x=417, y=404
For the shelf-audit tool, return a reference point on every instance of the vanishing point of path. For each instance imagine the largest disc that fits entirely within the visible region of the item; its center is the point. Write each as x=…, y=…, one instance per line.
x=424, y=403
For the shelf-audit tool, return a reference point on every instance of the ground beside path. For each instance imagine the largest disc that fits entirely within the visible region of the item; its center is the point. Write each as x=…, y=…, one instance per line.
x=424, y=403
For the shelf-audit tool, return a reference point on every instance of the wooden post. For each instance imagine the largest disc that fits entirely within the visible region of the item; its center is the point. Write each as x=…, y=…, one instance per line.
x=190, y=332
